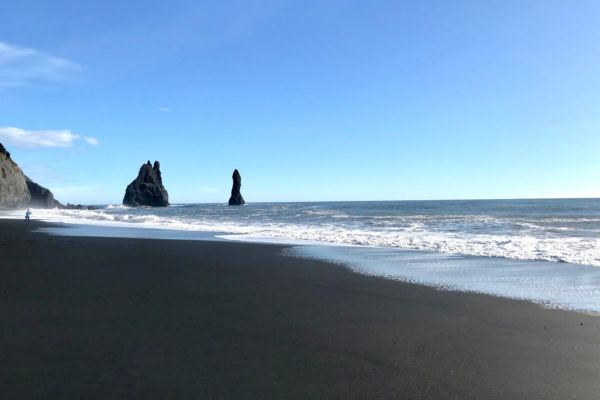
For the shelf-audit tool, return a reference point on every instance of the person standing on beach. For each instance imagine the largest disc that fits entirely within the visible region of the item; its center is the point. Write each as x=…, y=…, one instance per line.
x=27, y=214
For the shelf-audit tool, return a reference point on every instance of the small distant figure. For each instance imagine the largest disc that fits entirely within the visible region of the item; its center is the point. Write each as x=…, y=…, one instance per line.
x=27, y=215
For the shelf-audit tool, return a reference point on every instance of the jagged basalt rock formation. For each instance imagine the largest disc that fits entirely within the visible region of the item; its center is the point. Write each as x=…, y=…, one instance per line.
x=40, y=196
x=147, y=189
x=236, y=198
x=13, y=189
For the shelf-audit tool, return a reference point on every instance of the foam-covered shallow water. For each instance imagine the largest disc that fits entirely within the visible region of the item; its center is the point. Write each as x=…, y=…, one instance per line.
x=560, y=285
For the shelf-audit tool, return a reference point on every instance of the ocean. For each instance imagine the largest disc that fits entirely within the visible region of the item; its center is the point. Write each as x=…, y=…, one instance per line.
x=543, y=250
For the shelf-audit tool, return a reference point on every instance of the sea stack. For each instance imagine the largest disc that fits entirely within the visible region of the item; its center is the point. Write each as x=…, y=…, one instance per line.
x=236, y=198
x=147, y=189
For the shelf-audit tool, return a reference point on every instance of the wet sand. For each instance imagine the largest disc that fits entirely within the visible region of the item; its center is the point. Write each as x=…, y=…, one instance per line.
x=107, y=318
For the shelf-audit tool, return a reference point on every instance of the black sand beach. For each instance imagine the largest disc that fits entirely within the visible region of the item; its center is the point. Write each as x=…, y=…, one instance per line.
x=105, y=318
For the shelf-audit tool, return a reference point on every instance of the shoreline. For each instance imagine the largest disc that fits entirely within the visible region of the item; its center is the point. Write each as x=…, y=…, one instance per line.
x=113, y=317
x=573, y=287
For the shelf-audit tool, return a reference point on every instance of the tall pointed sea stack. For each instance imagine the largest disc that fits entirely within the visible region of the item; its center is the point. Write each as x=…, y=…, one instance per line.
x=147, y=189
x=236, y=198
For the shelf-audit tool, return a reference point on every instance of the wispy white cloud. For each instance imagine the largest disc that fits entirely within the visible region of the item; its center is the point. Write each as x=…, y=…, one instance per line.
x=22, y=138
x=163, y=109
x=21, y=66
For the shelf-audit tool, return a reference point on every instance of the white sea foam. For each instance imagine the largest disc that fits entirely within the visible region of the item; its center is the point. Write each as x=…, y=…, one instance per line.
x=574, y=287
x=479, y=235
x=117, y=207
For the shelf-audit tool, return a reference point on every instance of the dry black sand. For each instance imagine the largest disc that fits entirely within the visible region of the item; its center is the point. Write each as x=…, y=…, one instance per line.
x=100, y=318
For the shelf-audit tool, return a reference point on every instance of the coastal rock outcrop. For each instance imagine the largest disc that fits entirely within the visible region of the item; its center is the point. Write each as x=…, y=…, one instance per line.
x=70, y=206
x=40, y=196
x=236, y=198
x=147, y=189
x=13, y=188
x=17, y=190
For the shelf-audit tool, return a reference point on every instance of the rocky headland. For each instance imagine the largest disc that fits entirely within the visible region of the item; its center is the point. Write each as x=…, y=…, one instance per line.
x=17, y=190
x=40, y=196
x=14, y=192
x=147, y=189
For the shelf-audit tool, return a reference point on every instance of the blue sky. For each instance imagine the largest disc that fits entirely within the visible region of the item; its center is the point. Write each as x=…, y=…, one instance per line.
x=336, y=100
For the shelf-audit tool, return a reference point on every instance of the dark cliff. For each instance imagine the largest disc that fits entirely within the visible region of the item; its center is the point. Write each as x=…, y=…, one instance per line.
x=40, y=196
x=13, y=189
x=17, y=190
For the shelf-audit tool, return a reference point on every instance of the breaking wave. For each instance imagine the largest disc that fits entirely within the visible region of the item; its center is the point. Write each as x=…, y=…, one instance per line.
x=535, y=233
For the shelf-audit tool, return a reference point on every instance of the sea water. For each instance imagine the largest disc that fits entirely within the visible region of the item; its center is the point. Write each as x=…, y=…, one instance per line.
x=545, y=250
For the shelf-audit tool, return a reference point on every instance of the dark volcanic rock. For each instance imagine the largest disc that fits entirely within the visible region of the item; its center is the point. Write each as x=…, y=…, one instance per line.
x=13, y=189
x=236, y=198
x=147, y=189
x=3, y=151
x=17, y=190
x=70, y=206
x=40, y=196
